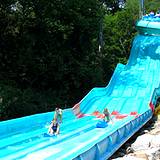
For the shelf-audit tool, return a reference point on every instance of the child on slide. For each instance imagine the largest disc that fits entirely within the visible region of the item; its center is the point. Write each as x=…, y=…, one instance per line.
x=57, y=120
x=58, y=115
x=54, y=128
x=104, y=121
x=107, y=116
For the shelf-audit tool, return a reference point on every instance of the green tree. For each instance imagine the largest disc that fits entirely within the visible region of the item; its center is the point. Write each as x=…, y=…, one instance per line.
x=112, y=6
x=49, y=47
x=151, y=5
x=119, y=29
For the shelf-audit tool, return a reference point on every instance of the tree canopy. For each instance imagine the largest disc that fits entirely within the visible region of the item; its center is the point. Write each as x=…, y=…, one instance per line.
x=151, y=5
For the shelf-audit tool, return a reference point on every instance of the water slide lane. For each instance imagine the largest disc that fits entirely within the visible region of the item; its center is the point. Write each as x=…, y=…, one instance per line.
x=25, y=141
x=79, y=144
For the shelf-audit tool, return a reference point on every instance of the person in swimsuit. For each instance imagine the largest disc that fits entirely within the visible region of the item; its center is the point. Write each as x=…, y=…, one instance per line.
x=55, y=123
x=106, y=113
x=58, y=115
x=54, y=128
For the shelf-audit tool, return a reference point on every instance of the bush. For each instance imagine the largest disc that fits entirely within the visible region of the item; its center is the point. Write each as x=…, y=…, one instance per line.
x=17, y=103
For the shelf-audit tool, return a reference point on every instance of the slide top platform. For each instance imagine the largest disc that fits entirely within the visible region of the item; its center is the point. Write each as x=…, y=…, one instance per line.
x=149, y=25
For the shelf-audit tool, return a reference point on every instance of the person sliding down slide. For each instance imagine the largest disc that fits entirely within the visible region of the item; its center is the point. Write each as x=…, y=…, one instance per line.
x=107, y=116
x=106, y=119
x=54, y=128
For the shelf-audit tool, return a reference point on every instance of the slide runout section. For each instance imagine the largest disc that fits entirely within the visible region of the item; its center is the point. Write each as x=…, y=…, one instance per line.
x=44, y=142
x=83, y=141
x=105, y=147
x=23, y=137
x=113, y=136
x=34, y=135
x=29, y=123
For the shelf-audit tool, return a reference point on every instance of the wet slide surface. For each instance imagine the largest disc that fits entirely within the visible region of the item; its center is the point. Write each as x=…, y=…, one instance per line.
x=127, y=96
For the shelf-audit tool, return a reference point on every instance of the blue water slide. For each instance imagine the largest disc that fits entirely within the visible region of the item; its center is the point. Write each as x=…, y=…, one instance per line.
x=130, y=97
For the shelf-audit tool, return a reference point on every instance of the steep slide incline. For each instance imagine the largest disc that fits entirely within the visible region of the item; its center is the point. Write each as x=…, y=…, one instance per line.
x=132, y=85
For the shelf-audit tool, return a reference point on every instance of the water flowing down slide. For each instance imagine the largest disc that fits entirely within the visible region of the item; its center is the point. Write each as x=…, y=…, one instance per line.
x=130, y=97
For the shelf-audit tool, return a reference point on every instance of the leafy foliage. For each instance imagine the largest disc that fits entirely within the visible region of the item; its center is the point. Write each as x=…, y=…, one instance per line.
x=48, y=48
x=119, y=29
x=151, y=5
x=114, y=5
